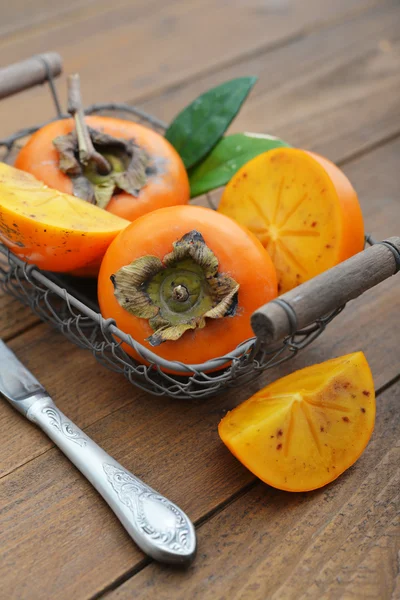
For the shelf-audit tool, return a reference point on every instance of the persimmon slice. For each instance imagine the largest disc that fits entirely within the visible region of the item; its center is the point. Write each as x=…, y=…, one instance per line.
x=301, y=207
x=304, y=430
x=53, y=230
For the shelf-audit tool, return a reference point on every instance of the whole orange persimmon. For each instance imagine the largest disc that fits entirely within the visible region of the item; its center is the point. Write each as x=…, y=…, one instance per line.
x=158, y=178
x=184, y=281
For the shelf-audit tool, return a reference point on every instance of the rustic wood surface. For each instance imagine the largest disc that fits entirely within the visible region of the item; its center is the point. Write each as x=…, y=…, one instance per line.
x=329, y=81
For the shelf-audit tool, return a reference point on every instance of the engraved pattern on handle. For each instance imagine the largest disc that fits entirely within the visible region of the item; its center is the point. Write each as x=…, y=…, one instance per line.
x=158, y=526
x=140, y=499
x=65, y=427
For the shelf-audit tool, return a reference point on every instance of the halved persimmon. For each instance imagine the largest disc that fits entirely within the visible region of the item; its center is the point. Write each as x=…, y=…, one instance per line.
x=55, y=231
x=184, y=281
x=301, y=207
x=304, y=430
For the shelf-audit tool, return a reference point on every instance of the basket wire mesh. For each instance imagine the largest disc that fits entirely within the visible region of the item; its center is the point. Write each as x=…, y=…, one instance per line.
x=70, y=305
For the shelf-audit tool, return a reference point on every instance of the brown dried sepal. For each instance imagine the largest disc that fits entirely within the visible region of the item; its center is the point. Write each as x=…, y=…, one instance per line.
x=127, y=160
x=151, y=289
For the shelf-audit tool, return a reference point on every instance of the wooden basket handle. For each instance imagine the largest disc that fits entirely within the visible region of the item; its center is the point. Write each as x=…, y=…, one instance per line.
x=27, y=73
x=321, y=295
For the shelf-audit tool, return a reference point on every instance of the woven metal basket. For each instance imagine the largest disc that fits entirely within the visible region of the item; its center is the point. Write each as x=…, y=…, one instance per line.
x=70, y=304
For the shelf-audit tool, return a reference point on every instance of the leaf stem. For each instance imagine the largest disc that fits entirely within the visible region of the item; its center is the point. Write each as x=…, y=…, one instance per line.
x=87, y=152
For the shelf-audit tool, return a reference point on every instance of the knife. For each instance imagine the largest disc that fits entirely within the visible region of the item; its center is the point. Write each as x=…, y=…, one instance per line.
x=159, y=527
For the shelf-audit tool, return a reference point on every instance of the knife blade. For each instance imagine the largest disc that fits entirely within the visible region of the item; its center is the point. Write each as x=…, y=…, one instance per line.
x=16, y=382
x=157, y=525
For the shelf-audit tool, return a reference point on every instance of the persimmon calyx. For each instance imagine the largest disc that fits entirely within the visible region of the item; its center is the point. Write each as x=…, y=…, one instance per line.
x=179, y=292
x=97, y=163
x=128, y=162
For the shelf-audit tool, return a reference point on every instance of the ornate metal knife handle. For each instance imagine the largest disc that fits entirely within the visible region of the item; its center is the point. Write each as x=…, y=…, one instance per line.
x=159, y=527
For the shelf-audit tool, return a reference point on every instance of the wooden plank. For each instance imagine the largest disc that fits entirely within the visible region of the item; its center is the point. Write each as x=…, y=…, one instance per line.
x=173, y=445
x=377, y=576
x=22, y=20
x=48, y=527
x=271, y=544
x=144, y=53
x=349, y=68
x=363, y=565
x=14, y=316
x=21, y=14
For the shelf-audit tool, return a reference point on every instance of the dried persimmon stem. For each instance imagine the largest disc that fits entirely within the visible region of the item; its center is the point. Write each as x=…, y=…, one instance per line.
x=87, y=152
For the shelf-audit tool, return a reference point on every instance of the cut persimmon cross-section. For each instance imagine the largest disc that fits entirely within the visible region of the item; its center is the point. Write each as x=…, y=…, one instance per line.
x=302, y=208
x=53, y=230
x=304, y=430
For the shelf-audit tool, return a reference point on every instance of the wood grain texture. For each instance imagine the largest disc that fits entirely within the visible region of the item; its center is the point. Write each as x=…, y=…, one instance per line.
x=24, y=20
x=172, y=445
x=349, y=68
x=14, y=316
x=271, y=544
x=362, y=565
x=378, y=576
x=142, y=45
x=22, y=14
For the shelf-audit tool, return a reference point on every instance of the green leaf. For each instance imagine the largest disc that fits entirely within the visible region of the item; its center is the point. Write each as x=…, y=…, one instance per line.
x=196, y=130
x=228, y=156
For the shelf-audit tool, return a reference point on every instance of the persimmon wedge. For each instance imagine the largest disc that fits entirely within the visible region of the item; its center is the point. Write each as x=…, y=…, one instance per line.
x=302, y=431
x=53, y=230
x=301, y=207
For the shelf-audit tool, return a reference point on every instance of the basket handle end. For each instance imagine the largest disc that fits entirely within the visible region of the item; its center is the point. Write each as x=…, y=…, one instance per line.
x=328, y=291
x=28, y=73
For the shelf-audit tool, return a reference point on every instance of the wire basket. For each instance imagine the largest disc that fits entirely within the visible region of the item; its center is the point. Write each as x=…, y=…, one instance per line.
x=70, y=305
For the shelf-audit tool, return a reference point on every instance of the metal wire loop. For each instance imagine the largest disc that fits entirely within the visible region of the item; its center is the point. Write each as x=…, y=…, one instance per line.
x=394, y=251
x=290, y=312
x=28, y=270
x=50, y=81
x=105, y=325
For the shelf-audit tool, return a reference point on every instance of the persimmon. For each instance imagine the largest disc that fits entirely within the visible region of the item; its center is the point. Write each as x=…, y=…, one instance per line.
x=183, y=281
x=301, y=207
x=55, y=231
x=302, y=431
x=165, y=179
x=124, y=167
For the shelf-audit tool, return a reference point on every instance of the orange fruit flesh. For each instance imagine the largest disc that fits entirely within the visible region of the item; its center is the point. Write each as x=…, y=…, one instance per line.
x=302, y=208
x=304, y=430
x=53, y=230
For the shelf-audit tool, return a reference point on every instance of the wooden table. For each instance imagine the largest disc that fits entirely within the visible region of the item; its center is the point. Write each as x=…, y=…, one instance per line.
x=329, y=81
